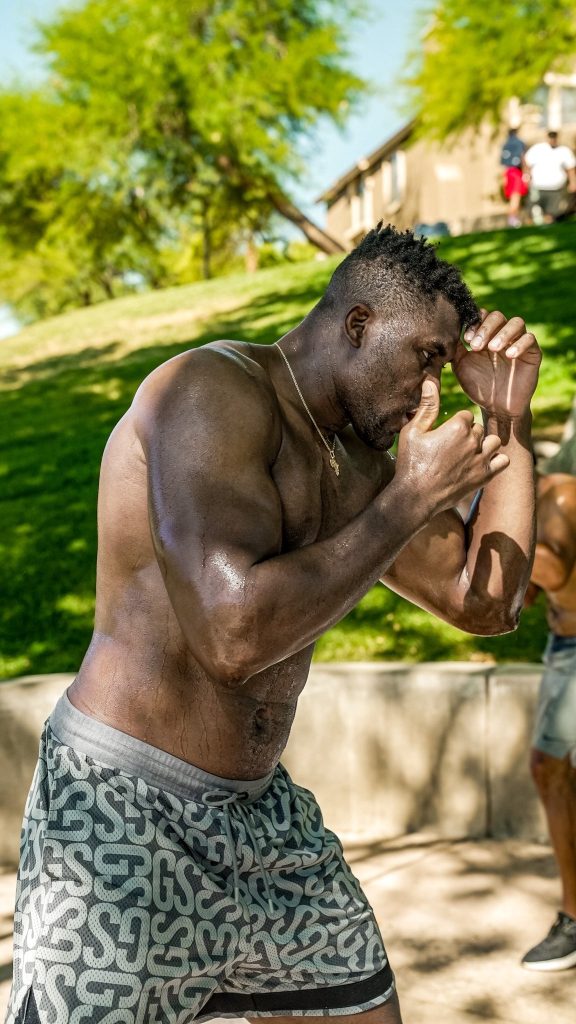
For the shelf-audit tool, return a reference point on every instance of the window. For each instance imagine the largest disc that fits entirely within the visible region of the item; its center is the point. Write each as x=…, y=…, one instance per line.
x=539, y=100
x=395, y=183
x=394, y=179
x=568, y=105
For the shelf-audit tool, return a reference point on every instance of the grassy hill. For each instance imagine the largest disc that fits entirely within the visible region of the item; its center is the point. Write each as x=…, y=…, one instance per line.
x=65, y=382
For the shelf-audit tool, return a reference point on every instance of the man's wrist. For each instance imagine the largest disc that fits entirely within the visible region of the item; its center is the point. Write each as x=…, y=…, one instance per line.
x=504, y=417
x=505, y=425
x=401, y=493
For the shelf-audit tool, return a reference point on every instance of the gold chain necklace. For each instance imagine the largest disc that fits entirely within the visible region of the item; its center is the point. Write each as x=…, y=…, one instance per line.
x=330, y=449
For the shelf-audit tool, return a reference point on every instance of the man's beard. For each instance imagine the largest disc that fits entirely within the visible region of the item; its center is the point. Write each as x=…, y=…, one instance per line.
x=376, y=432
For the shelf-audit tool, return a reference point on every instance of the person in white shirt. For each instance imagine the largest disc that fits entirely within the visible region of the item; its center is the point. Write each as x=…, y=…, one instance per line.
x=552, y=173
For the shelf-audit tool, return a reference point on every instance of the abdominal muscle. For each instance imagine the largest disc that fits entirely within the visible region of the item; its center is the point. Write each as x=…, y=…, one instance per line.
x=149, y=686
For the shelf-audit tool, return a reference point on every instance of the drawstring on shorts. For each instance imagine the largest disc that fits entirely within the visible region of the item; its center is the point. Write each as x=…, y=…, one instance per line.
x=232, y=802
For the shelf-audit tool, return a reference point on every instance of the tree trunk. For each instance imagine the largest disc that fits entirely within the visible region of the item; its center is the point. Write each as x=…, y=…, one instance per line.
x=313, y=233
x=106, y=285
x=206, y=244
x=251, y=256
x=284, y=206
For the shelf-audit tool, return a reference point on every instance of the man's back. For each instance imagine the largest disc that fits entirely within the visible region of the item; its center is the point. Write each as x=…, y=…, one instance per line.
x=556, y=543
x=512, y=152
x=549, y=165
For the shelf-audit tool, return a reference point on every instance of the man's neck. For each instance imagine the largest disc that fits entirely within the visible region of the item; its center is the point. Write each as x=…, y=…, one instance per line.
x=309, y=361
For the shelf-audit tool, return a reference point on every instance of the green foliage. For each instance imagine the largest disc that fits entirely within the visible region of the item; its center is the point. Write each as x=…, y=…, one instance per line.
x=65, y=382
x=154, y=146
x=476, y=56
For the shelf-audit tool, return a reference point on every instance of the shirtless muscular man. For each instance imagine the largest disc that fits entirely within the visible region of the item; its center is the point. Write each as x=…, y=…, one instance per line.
x=171, y=869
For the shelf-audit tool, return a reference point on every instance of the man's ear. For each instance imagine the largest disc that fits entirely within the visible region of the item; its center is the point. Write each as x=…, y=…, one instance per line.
x=355, y=323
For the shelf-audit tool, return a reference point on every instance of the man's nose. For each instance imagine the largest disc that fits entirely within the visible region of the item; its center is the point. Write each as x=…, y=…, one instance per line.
x=436, y=376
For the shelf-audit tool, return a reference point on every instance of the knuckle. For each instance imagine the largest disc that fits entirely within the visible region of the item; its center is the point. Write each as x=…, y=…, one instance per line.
x=495, y=318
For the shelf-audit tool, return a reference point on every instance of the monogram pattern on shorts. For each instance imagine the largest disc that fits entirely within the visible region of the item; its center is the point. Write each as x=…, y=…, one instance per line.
x=125, y=907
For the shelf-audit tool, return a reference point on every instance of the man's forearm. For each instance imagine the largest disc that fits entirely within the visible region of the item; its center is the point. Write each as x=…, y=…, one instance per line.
x=502, y=532
x=287, y=601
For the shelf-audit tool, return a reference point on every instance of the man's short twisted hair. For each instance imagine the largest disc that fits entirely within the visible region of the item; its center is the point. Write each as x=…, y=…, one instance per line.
x=393, y=271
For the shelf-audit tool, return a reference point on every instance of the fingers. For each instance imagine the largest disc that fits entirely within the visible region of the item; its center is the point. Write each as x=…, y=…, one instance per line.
x=524, y=344
x=471, y=331
x=477, y=430
x=488, y=330
x=498, y=463
x=494, y=460
x=487, y=446
x=490, y=446
x=497, y=334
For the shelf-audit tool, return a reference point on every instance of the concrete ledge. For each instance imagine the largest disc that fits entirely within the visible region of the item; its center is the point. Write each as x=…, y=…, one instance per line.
x=393, y=748
x=388, y=748
x=24, y=707
x=514, y=809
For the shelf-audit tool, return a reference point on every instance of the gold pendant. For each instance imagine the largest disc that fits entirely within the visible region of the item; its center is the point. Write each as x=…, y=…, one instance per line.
x=334, y=465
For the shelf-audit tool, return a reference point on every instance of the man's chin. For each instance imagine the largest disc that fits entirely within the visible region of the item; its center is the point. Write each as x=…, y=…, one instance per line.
x=380, y=442
x=384, y=442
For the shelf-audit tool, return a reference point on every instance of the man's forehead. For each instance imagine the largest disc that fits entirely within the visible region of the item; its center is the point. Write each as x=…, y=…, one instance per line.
x=440, y=327
x=434, y=324
x=445, y=324
x=445, y=317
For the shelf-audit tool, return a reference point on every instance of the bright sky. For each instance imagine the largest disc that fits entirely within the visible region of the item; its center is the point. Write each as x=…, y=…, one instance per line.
x=379, y=49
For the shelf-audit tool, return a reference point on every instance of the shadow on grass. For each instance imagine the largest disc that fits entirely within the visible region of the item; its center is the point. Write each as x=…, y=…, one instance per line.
x=57, y=413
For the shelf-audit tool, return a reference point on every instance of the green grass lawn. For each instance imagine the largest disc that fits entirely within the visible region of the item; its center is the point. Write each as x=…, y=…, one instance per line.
x=65, y=382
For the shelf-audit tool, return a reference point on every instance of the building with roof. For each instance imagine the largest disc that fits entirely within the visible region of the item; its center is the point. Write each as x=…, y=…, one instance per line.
x=456, y=186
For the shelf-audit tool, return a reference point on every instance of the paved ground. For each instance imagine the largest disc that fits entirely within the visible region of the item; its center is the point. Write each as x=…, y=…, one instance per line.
x=456, y=918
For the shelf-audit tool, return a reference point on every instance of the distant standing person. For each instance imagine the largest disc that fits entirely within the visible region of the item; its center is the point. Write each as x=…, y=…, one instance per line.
x=553, y=760
x=515, y=186
x=552, y=173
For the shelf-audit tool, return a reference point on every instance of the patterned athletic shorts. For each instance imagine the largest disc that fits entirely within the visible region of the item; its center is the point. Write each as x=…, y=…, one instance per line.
x=150, y=891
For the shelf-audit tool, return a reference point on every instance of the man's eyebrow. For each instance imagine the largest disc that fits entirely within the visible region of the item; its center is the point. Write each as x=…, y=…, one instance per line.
x=440, y=348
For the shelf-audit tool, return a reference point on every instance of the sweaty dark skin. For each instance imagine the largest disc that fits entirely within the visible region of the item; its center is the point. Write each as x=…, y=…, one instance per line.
x=554, y=572
x=139, y=673
x=227, y=544
x=554, y=569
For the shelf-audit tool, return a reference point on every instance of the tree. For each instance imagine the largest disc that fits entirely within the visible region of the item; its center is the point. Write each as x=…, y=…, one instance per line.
x=161, y=122
x=476, y=56
x=69, y=230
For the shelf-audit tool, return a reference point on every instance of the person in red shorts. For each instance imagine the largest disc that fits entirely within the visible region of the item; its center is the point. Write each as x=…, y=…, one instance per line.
x=515, y=185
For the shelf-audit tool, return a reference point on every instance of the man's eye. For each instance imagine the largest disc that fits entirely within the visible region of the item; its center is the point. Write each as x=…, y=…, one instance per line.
x=429, y=356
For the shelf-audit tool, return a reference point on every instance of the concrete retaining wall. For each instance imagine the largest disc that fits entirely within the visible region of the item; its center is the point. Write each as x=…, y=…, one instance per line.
x=387, y=748
x=395, y=748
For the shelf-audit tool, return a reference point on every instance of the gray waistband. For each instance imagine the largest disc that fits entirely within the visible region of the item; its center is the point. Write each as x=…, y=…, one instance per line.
x=135, y=757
